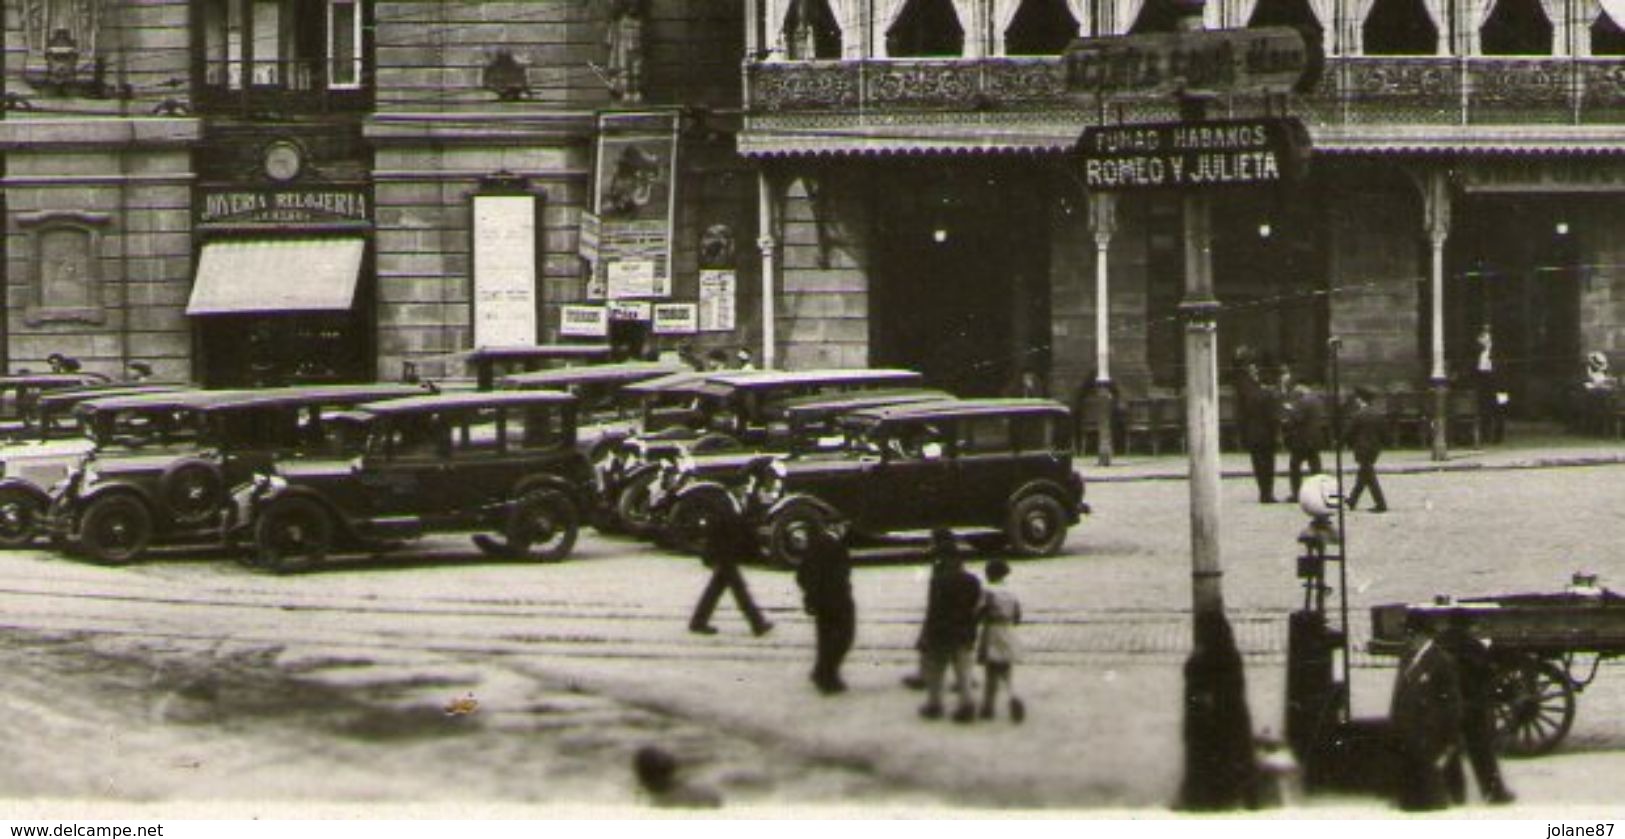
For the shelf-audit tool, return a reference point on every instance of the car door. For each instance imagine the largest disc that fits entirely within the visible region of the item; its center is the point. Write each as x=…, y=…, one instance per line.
x=409, y=474
x=989, y=469
x=914, y=477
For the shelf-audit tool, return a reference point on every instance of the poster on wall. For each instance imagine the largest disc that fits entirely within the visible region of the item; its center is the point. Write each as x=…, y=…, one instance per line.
x=634, y=202
x=584, y=322
x=587, y=247
x=505, y=267
x=630, y=310
x=717, y=288
x=676, y=318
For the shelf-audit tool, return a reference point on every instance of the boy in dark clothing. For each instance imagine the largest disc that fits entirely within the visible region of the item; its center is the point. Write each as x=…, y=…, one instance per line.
x=726, y=543
x=1367, y=434
x=1303, y=425
x=825, y=577
x=949, y=635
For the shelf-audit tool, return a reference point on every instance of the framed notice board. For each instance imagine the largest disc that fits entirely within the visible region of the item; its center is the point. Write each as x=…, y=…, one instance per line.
x=506, y=263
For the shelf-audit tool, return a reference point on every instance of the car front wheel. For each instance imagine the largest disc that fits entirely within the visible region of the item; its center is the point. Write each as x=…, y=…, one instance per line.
x=20, y=517
x=791, y=535
x=691, y=520
x=115, y=529
x=632, y=507
x=543, y=526
x=1036, y=526
x=293, y=534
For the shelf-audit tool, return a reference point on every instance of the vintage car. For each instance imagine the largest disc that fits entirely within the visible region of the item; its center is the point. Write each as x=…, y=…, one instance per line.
x=1000, y=466
x=503, y=462
x=41, y=456
x=726, y=411
x=482, y=368
x=604, y=411
x=20, y=393
x=163, y=463
x=813, y=427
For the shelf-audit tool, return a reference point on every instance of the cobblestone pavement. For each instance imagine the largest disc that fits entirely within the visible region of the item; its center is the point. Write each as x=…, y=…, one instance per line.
x=366, y=652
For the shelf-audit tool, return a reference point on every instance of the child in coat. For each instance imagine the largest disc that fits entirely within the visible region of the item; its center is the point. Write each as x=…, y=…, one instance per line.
x=1000, y=612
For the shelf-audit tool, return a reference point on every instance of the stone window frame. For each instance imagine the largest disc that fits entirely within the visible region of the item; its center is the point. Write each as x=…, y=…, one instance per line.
x=35, y=226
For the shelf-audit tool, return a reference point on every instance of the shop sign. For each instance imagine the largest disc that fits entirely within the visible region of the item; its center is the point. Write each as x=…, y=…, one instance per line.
x=676, y=318
x=584, y=321
x=634, y=202
x=303, y=205
x=717, y=287
x=1596, y=175
x=1211, y=153
x=1270, y=59
x=630, y=310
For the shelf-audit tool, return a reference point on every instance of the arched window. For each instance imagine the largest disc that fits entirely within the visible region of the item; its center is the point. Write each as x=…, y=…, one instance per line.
x=1157, y=16
x=1607, y=38
x=1517, y=27
x=810, y=31
x=1284, y=13
x=926, y=28
x=1041, y=27
x=1400, y=27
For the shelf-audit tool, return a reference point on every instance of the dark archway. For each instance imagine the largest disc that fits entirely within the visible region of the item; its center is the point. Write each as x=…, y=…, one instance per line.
x=1400, y=27
x=810, y=31
x=926, y=28
x=1517, y=27
x=1157, y=16
x=1041, y=27
x=1607, y=38
x=1284, y=13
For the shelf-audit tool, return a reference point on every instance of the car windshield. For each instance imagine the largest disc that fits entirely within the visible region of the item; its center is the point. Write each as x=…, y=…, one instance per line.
x=138, y=427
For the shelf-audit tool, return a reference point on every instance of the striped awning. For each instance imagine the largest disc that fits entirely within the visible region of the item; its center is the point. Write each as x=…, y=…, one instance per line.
x=277, y=275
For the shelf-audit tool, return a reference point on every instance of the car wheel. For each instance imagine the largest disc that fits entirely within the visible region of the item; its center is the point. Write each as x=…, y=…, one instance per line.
x=115, y=529
x=790, y=535
x=690, y=521
x=293, y=534
x=21, y=515
x=193, y=491
x=632, y=506
x=543, y=526
x=1037, y=526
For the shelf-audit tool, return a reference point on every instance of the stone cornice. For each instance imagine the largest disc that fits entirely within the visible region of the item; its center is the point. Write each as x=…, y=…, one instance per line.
x=22, y=134
x=478, y=128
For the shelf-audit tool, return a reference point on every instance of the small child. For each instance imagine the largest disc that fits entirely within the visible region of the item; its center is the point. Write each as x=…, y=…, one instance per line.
x=1000, y=613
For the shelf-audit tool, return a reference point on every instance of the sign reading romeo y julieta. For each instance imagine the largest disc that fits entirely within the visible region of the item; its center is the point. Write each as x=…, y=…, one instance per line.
x=1209, y=153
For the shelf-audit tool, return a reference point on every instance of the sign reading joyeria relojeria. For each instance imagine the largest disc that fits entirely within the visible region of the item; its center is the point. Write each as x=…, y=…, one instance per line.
x=1208, y=153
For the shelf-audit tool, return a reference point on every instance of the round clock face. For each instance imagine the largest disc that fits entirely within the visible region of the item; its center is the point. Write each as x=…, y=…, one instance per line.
x=283, y=161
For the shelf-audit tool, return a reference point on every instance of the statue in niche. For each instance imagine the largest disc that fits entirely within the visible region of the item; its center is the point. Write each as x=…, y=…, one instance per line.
x=623, y=42
x=506, y=77
x=78, y=20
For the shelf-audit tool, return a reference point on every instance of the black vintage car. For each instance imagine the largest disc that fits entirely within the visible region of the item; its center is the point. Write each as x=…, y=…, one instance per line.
x=1001, y=466
x=20, y=394
x=605, y=411
x=502, y=462
x=163, y=462
x=481, y=368
x=42, y=455
x=727, y=411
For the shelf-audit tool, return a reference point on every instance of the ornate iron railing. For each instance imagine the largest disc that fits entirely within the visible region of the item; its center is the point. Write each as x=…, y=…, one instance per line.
x=1363, y=90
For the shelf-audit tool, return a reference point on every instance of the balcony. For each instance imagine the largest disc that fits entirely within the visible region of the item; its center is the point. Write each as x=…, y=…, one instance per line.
x=276, y=87
x=1362, y=97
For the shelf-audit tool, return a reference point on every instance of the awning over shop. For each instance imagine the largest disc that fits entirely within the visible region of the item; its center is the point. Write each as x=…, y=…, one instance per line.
x=277, y=275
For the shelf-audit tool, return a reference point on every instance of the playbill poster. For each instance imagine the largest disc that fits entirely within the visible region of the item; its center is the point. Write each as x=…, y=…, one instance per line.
x=634, y=203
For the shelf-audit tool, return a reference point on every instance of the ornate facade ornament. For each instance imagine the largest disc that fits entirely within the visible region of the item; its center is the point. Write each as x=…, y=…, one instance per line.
x=623, y=47
x=506, y=77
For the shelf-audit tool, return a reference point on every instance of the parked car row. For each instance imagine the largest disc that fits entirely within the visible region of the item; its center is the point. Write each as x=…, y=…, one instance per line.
x=284, y=477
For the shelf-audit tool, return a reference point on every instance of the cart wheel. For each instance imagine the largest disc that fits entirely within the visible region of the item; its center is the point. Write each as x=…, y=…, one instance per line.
x=1533, y=706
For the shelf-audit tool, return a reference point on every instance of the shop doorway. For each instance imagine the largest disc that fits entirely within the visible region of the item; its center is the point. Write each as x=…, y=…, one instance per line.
x=274, y=350
x=1514, y=263
x=960, y=283
x=1269, y=272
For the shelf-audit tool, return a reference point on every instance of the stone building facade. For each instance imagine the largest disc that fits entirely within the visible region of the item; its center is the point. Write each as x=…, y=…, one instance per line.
x=247, y=191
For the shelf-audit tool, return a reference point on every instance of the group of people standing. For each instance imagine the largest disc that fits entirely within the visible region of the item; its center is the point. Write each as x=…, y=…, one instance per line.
x=1270, y=413
x=964, y=618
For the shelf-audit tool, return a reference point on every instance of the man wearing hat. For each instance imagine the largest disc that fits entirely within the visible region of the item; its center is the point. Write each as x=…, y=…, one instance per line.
x=1367, y=433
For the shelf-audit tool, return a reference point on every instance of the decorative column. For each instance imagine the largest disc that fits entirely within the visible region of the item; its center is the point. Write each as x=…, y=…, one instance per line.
x=767, y=244
x=1103, y=224
x=1436, y=213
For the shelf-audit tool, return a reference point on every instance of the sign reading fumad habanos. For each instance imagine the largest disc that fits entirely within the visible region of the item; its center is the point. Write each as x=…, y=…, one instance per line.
x=1209, y=153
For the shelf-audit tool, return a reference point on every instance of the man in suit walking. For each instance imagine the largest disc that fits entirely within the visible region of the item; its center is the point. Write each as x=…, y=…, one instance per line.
x=1367, y=434
x=1258, y=416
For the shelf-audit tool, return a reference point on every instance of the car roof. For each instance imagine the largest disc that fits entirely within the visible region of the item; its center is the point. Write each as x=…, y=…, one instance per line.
x=524, y=351
x=750, y=380
x=72, y=396
x=182, y=399
x=316, y=395
x=454, y=401
x=51, y=379
x=855, y=400
x=673, y=381
x=631, y=371
x=961, y=408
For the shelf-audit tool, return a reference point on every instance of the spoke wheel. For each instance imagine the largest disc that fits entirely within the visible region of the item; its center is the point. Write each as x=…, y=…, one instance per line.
x=293, y=534
x=1533, y=706
x=632, y=507
x=791, y=535
x=193, y=491
x=543, y=526
x=1036, y=526
x=115, y=529
x=691, y=520
x=20, y=517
